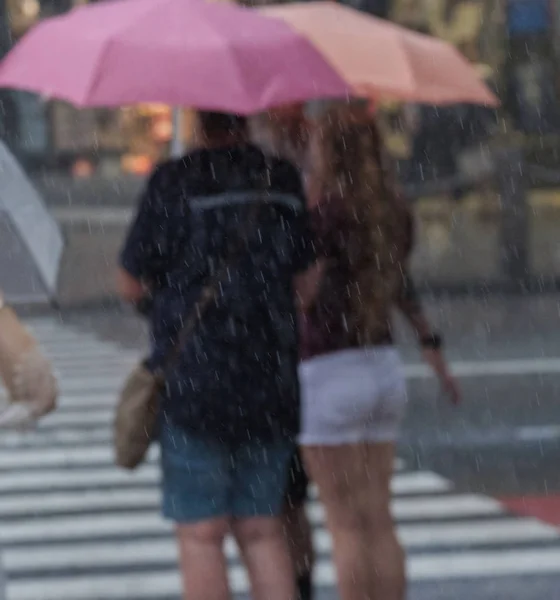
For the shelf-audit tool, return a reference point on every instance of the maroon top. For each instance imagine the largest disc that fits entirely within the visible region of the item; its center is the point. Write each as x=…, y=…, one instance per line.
x=338, y=237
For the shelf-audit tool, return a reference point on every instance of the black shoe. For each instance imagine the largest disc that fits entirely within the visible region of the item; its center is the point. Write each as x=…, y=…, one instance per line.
x=304, y=587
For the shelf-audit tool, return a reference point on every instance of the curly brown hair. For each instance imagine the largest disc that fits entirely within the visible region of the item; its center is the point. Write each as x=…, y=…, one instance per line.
x=350, y=166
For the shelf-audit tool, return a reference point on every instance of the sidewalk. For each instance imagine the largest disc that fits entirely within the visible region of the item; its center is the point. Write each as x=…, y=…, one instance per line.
x=97, y=191
x=461, y=243
x=2, y=583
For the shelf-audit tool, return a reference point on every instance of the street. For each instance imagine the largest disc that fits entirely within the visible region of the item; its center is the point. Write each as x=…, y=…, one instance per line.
x=476, y=487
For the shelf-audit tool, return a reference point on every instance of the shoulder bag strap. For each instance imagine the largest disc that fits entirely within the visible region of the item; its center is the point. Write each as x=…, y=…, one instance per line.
x=209, y=291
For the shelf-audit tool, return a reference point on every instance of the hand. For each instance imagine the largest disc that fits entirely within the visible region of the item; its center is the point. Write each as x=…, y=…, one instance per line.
x=448, y=383
x=451, y=389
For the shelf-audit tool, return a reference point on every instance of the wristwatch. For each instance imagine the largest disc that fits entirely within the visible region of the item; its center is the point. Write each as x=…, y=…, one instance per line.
x=433, y=341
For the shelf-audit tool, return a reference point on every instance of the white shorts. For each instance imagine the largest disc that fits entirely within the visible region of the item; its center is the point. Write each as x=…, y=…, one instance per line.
x=352, y=396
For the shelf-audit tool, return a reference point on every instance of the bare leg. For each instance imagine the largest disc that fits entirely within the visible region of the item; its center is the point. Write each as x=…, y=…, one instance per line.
x=202, y=561
x=354, y=483
x=267, y=558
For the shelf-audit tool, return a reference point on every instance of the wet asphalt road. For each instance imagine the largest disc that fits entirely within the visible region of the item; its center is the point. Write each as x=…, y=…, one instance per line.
x=504, y=440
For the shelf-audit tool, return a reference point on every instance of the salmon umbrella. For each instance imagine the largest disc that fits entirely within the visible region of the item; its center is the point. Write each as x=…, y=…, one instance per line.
x=382, y=60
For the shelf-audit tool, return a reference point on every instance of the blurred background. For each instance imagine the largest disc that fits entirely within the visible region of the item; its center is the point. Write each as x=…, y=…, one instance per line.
x=476, y=227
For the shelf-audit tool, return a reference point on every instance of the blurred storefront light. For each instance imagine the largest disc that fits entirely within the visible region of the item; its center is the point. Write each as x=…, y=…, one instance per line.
x=30, y=8
x=54, y=135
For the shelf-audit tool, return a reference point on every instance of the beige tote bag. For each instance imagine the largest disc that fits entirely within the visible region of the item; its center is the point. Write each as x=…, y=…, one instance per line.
x=27, y=375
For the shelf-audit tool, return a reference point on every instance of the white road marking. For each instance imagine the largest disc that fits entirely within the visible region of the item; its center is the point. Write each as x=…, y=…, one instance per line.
x=57, y=489
x=151, y=585
x=163, y=552
x=93, y=498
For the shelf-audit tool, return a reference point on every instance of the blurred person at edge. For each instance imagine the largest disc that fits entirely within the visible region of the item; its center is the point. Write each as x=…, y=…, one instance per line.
x=230, y=414
x=25, y=372
x=353, y=386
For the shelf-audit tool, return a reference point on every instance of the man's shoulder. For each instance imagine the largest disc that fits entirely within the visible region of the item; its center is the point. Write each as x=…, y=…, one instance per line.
x=174, y=178
x=170, y=169
x=285, y=178
x=283, y=166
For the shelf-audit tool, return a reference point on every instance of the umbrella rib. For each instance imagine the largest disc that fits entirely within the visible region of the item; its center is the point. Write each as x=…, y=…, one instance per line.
x=97, y=70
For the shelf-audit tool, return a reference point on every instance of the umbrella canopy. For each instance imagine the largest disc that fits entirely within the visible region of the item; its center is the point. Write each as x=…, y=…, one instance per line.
x=31, y=243
x=382, y=60
x=215, y=56
x=220, y=56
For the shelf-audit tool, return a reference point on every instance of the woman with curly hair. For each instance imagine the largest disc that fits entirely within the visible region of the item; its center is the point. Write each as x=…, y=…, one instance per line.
x=353, y=386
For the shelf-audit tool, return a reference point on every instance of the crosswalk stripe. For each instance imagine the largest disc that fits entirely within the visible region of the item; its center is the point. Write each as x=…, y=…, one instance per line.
x=93, y=455
x=105, y=366
x=41, y=479
x=109, y=587
x=66, y=457
x=91, y=385
x=74, y=527
x=87, y=418
x=456, y=565
x=485, y=563
x=484, y=532
x=62, y=336
x=145, y=521
x=419, y=482
x=92, y=498
x=165, y=583
x=101, y=384
x=78, y=344
x=83, y=353
x=94, y=527
x=89, y=401
x=39, y=438
x=426, y=508
x=82, y=356
x=163, y=552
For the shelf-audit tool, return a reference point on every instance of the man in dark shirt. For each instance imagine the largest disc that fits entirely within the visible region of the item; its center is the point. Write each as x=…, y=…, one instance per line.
x=230, y=411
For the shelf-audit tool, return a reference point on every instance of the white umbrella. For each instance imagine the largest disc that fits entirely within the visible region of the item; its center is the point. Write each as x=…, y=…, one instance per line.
x=31, y=242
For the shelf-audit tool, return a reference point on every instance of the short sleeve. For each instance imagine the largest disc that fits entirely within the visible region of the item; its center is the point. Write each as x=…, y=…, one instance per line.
x=146, y=246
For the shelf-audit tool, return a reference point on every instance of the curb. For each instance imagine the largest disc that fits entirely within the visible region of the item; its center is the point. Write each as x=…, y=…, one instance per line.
x=3, y=582
x=39, y=310
x=477, y=289
x=473, y=290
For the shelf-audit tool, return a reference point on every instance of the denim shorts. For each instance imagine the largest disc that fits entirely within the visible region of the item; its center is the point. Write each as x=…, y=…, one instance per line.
x=205, y=479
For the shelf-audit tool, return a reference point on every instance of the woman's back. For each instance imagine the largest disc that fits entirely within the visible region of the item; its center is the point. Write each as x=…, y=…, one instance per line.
x=331, y=323
x=363, y=234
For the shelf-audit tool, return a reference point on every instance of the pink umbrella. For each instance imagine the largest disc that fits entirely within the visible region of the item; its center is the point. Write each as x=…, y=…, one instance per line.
x=178, y=52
